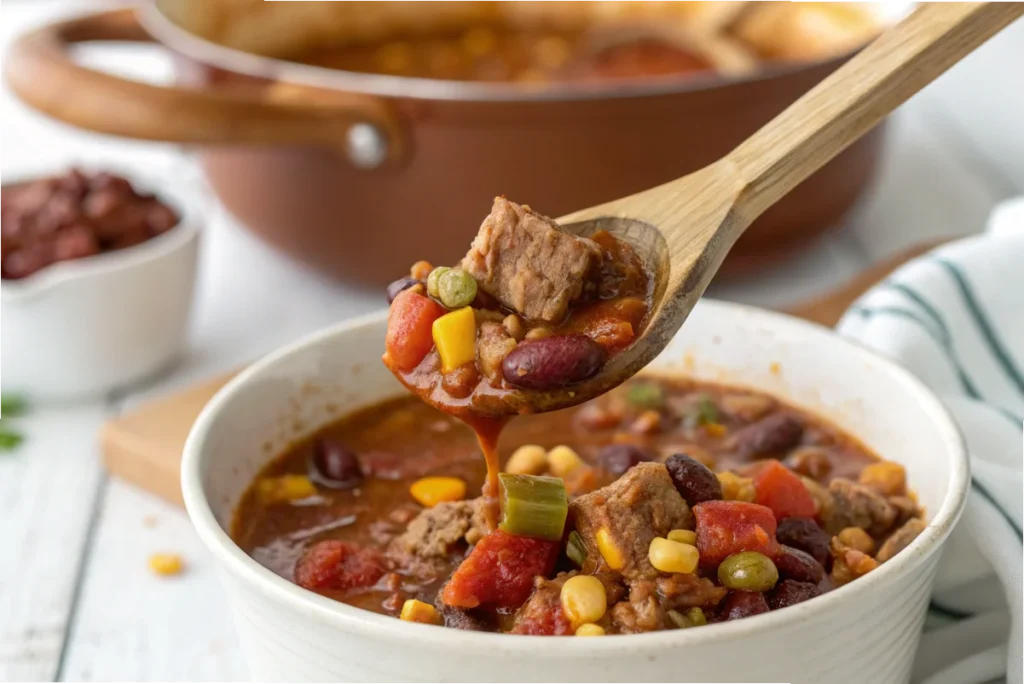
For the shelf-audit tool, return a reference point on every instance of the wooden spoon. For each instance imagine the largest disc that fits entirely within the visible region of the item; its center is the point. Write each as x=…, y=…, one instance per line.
x=684, y=229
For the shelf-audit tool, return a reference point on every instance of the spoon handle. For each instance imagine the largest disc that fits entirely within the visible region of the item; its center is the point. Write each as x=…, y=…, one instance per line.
x=858, y=95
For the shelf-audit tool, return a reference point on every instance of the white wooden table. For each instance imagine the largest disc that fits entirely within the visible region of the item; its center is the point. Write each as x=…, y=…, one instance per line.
x=77, y=601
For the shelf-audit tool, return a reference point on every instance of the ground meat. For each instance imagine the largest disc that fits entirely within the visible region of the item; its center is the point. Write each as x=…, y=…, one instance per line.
x=542, y=612
x=636, y=508
x=466, y=619
x=854, y=505
x=493, y=345
x=900, y=539
x=680, y=592
x=434, y=534
x=529, y=264
x=643, y=611
x=905, y=507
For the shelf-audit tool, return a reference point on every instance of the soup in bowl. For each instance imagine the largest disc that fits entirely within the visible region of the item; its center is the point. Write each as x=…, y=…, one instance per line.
x=850, y=403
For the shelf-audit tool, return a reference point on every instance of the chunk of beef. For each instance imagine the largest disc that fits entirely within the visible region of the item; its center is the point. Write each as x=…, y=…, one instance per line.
x=900, y=539
x=643, y=611
x=680, y=592
x=633, y=510
x=434, y=534
x=854, y=505
x=528, y=263
x=466, y=619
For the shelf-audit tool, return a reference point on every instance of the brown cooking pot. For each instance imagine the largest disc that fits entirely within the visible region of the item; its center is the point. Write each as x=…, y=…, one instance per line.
x=360, y=175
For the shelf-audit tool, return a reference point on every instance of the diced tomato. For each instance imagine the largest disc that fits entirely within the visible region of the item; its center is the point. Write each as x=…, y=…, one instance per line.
x=612, y=323
x=728, y=527
x=409, y=336
x=334, y=564
x=779, y=488
x=499, y=571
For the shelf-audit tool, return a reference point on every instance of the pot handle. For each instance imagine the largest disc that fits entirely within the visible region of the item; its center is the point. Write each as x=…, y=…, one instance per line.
x=41, y=72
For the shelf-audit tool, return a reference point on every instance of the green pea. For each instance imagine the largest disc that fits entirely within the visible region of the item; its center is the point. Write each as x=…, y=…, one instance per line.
x=432, y=281
x=748, y=571
x=456, y=288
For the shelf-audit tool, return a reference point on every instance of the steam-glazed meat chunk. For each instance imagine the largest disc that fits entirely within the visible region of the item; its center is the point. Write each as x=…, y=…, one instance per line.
x=529, y=264
x=854, y=505
x=618, y=522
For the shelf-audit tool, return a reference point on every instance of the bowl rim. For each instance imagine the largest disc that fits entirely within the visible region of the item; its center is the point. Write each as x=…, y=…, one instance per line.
x=322, y=609
x=170, y=33
x=184, y=196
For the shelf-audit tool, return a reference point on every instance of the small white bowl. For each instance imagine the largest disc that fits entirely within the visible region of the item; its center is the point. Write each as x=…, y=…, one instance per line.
x=78, y=329
x=865, y=631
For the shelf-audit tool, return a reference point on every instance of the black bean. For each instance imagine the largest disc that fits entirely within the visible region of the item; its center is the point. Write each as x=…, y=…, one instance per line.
x=798, y=565
x=741, y=604
x=790, y=592
x=618, y=458
x=552, y=362
x=693, y=480
x=804, y=534
x=334, y=465
x=400, y=285
x=775, y=434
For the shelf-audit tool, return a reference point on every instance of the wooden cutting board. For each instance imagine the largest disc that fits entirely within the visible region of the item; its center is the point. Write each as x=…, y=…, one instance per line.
x=144, y=445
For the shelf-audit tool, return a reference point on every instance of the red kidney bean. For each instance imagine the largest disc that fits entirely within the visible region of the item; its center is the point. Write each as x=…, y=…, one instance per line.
x=618, y=458
x=790, y=592
x=334, y=465
x=741, y=604
x=804, y=534
x=552, y=362
x=400, y=285
x=772, y=435
x=798, y=565
x=693, y=480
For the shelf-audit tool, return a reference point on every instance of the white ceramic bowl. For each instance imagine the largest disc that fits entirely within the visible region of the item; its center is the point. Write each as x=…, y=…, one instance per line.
x=863, y=632
x=78, y=329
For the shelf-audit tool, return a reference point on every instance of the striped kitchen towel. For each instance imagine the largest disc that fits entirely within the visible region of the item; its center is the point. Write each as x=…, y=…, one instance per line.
x=955, y=318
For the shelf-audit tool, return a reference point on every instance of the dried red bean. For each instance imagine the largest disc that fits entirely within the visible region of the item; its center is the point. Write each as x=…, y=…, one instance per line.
x=741, y=604
x=334, y=465
x=798, y=565
x=772, y=435
x=790, y=592
x=618, y=458
x=693, y=480
x=552, y=362
x=400, y=285
x=804, y=534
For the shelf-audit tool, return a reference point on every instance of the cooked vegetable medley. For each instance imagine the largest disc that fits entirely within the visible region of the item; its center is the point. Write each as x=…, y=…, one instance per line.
x=664, y=504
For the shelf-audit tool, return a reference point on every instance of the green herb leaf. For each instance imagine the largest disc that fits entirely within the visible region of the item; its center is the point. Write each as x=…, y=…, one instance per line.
x=707, y=411
x=646, y=395
x=9, y=440
x=12, y=405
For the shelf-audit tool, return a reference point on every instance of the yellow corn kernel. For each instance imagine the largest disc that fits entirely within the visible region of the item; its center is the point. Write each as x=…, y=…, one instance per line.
x=715, y=430
x=886, y=477
x=430, y=491
x=857, y=538
x=590, y=629
x=529, y=459
x=736, y=487
x=683, y=536
x=273, y=490
x=455, y=338
x=583, y=599
x=672, y=556
x=166, y=564
x=609, y=550
x=414, y=610
x=562, y=460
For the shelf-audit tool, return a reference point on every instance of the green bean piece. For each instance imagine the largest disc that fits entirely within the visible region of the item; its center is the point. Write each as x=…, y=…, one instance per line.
x=646, y=395
x=696, y=616
x=748, y=571
x=533, y=506
x=456, y=288
x=575, y=549
x=432, y=281
x=12, y=405
x=678, y=619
